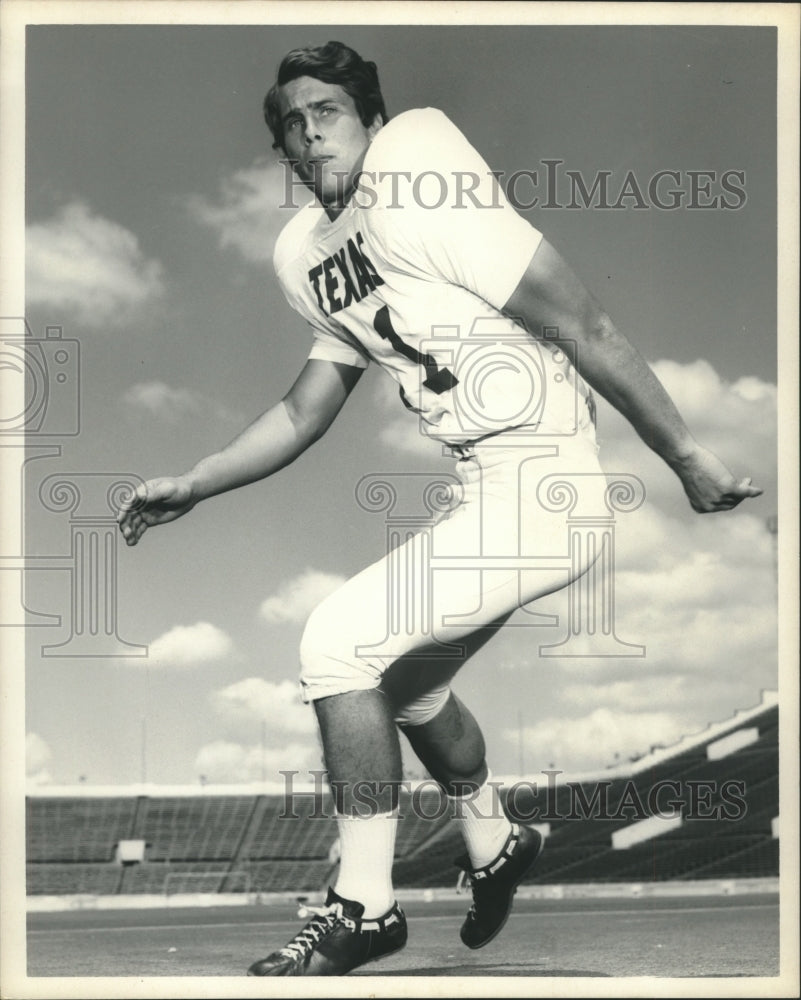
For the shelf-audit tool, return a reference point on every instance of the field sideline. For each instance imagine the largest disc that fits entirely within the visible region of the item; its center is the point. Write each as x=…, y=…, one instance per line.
x=663, y=936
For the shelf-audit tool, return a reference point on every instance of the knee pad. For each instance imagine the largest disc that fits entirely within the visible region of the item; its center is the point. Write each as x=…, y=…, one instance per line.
x=328, y=659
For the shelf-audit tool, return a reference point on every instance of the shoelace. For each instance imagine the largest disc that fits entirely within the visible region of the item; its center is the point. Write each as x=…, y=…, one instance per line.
x=318, y=927
x=478, y=887
x=473, y=883
x=465, y=880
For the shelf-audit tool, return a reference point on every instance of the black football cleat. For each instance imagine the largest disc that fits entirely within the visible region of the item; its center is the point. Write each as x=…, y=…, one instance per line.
x=335, y=941
x=494, y=886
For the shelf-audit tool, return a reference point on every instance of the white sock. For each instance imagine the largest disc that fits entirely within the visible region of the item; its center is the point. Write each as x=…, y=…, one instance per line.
x=365, y=866
x=484, y=825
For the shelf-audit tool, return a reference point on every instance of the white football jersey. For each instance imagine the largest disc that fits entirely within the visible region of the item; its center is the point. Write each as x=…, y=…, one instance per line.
x=414, y=274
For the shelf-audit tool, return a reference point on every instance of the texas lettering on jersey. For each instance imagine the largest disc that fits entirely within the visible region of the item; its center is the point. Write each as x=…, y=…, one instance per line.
x=345, y=277
x=338, y=277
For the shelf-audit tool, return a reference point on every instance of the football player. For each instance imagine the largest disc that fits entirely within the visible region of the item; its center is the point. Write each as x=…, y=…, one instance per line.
x=411, y=257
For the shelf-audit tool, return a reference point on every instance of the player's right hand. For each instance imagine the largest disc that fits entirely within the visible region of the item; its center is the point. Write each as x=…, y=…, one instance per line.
x=158, y=501
x=710, y=486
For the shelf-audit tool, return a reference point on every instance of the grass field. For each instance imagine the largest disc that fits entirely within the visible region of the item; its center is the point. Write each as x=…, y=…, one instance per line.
x=677, y=936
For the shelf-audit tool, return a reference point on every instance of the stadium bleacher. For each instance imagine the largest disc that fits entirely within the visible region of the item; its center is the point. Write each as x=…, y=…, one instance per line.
x=209, y=841
x=193, y=828
x=77, y=829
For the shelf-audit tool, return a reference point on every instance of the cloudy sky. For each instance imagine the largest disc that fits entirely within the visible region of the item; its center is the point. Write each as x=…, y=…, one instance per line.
x=152, y=205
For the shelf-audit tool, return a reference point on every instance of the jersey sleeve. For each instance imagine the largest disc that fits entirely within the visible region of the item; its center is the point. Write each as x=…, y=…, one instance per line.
x=446, y=214
x=331, y=342
x=328, y=346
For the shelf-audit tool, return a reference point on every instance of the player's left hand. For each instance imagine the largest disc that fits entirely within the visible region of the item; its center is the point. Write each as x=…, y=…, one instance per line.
x=710, y=486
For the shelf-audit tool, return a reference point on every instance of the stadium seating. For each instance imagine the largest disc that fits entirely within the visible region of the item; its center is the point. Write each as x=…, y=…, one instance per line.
x=257, y=843
x=193, y=828
x=77, y=829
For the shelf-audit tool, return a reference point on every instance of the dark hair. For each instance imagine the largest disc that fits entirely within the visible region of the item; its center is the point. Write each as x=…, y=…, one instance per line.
x=331, y=63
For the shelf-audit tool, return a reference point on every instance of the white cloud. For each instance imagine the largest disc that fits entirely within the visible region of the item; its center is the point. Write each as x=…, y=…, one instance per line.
x=91, y=266
x=724, y=578
x=253, y=206
x=188, y=646
x=162, y=400
x=736, y=420
x=37, y=757
x=586, y=742
x=699, y=597
x=168, y=403
x=274, y=730
x=635, y=694
x=278, y=705
x=296, y=599
x=708, y=401
x=227, y=762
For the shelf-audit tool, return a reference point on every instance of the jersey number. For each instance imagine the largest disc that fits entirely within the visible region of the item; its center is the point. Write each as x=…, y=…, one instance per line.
x=438, y=379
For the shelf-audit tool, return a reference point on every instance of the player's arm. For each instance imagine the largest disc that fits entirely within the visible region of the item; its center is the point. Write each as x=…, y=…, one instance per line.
x=550, y=294
x=271, y=442
x=281, y=434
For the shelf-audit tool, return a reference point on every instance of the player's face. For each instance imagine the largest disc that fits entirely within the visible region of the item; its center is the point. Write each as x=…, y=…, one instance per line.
x=325, y=138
